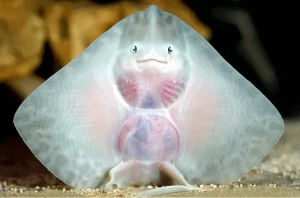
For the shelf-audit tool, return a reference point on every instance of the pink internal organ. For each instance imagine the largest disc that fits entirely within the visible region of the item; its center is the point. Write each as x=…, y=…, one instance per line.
x=170, y=91
x=129, y=91
x=150, y=94
x=148, y=138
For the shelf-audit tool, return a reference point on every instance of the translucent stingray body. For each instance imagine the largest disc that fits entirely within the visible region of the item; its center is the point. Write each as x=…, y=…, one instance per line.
x=148, y=96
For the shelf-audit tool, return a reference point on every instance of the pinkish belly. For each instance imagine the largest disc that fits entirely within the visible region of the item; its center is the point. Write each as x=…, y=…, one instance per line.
x=149, y=134
x=147, y=137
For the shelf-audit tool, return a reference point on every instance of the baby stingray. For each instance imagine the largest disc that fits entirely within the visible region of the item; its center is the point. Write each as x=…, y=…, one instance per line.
x=149, y=97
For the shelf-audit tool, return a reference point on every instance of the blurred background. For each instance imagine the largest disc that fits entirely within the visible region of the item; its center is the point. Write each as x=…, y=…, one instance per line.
x=38, y=37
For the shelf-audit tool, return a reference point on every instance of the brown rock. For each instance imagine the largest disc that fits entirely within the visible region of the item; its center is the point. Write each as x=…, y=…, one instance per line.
x=22, y=38
x=74, y=25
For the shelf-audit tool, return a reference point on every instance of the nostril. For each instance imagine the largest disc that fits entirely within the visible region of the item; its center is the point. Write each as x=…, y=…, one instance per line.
x=170, y=50
x=134, y=49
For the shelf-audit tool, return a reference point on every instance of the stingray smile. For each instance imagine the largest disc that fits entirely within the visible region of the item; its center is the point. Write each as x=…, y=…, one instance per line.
x=152, y=61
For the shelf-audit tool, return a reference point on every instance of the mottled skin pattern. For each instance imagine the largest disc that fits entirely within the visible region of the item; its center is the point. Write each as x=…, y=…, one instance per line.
x=148, y=96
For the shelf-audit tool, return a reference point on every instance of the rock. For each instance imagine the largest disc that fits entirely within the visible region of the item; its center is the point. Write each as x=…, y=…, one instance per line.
x=22, y=38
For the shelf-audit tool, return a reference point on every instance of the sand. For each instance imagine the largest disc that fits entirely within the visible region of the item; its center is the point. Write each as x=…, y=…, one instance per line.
x=278, y=175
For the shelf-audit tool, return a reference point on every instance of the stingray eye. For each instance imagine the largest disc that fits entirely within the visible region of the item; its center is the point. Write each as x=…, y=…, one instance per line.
x=134, y=49
x=169, y=50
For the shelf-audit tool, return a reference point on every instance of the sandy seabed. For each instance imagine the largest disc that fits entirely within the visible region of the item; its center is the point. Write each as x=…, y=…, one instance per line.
x=277, y=176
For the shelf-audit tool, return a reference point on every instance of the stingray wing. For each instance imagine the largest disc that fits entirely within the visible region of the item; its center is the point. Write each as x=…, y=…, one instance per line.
x=227, y=125
x=70, y=122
